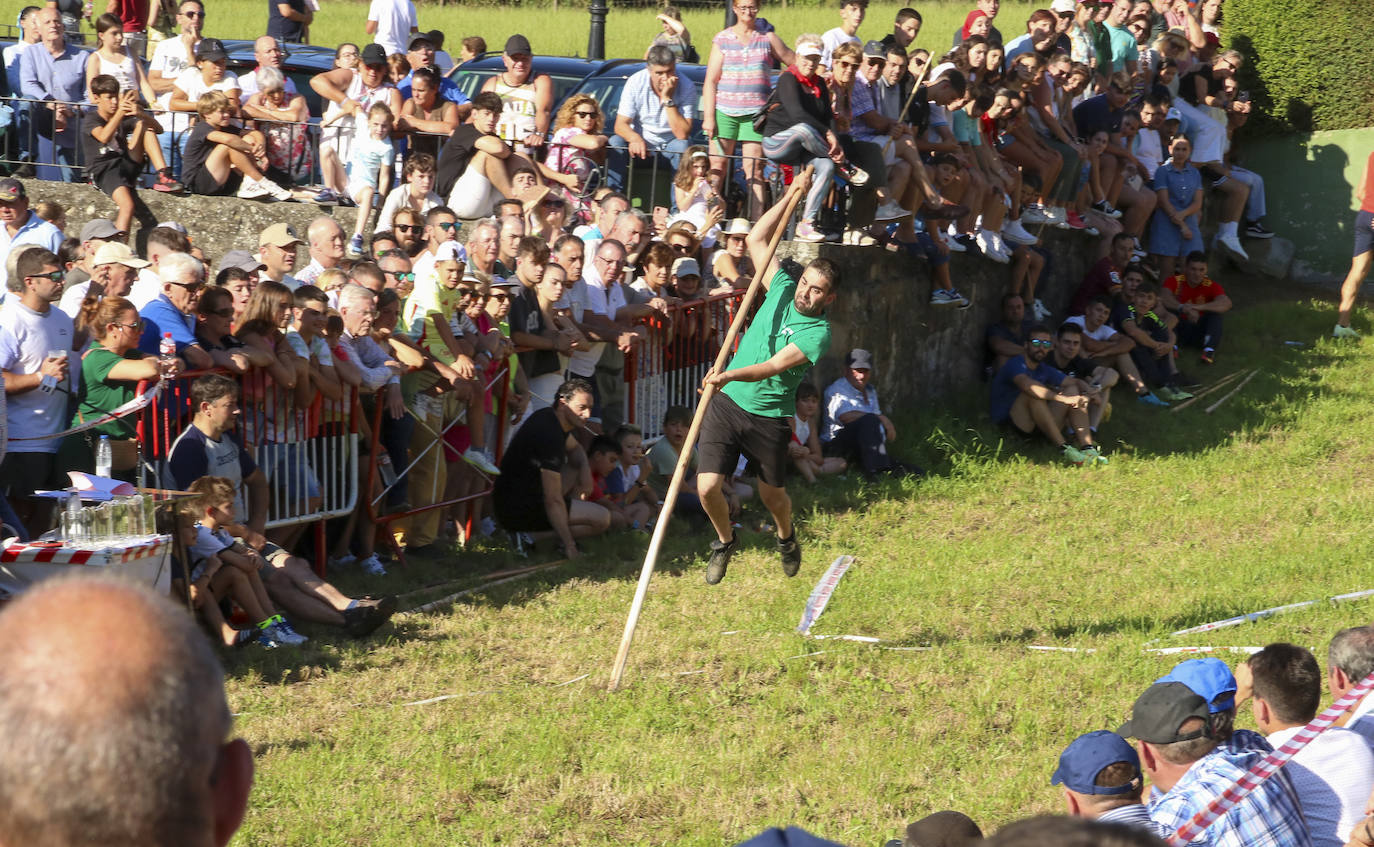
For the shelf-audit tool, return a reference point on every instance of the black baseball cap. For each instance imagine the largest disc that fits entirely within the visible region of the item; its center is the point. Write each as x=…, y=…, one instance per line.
x=517, y=44
x=211, y=49
x=1158, y=713
x=418, y=38
x=373, y=54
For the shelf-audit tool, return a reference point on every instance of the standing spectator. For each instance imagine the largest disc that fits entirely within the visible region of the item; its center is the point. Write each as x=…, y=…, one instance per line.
x=40, y=366
x=1028, y=394
x=1364, y=251
x=856, y=430
x=114, y=268
x=350, y=92
x=21, y=225
x=905, y=27
x=1189, y=767
x=171, y=59
x=851, y=18
x=17, y=141
x=471, y=48
x=737, y=86
x=526, y=99
x=596, y=300
x=420, y=54
x=54, y=71
x=1174, y=229
x=391, y=23
x=674, y=36
x=114, y=57
x=174, y=310
x=1334, y=773
x=288, y=21
x=798, y=132
x=1100, y=772
x=654, y=116
x=1199, y=303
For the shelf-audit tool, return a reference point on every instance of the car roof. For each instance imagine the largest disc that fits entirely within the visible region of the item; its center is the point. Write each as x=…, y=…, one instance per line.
x=566, y=72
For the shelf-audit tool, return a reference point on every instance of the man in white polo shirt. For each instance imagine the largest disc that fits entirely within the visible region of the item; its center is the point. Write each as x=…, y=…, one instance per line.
x=278, y=247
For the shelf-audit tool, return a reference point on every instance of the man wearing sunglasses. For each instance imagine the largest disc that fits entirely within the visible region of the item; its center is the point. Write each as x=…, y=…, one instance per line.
x=114, y=267
x=1029, y=394
x=39, y=364
x=174, y=310
x=277, y=247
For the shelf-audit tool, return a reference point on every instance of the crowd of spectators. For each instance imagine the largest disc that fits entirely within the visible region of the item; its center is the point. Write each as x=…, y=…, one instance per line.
x=494, y=279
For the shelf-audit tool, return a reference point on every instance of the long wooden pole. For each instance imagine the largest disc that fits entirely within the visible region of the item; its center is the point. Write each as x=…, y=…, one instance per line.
x=670, y=499
x=910, y=97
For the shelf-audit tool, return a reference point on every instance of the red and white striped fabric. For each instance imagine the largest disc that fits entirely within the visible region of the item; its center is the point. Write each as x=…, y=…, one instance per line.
x=1269, y=765
x=56, y=554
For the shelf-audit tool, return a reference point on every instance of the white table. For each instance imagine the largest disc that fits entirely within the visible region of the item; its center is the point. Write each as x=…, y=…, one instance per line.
x=146, y=560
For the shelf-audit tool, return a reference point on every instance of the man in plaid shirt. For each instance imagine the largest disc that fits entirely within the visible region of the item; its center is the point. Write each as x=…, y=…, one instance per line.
x=1189, y=767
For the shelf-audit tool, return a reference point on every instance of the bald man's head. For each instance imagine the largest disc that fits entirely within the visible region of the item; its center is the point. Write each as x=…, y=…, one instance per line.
x=326, y=239
x=123, y=722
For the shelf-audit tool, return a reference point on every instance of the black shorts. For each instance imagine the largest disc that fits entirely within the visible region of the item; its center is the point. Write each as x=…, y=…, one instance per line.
x=729, y=431
x=1364, y=235
x=21, y=474
x=203, y=182
x=122, y=173
x=527, y=514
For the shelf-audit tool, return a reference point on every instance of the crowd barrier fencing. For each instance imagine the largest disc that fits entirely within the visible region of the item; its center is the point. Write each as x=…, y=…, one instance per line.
x=667, y=368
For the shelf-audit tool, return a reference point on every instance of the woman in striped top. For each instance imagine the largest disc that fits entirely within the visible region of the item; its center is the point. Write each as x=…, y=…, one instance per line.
x=737, y=87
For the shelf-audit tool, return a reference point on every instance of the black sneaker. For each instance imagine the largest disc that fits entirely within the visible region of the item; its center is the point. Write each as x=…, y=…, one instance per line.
x=790, y=551
x=361, y=621
x=1257, y=229
x=720, y=559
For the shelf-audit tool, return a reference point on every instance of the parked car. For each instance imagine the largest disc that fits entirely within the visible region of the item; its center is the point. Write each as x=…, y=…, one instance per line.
x=608, y=82
x=566, y=72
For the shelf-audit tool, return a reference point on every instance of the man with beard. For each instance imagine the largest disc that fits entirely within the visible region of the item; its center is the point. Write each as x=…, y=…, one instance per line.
x=1029, y=394
x=751, y=414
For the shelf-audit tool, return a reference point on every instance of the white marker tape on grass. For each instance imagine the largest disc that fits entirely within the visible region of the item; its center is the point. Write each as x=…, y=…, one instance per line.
x=1173, y=651
x=1267, y=613
x=820, y=595
x=1044, y=649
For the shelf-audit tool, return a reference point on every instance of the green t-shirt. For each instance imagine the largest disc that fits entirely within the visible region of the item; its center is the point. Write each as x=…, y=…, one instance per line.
x=663, y=460
x=100, y=396
x=776, y=325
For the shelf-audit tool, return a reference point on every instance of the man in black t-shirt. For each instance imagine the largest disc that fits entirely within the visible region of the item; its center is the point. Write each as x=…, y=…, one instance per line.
x=530, y=330
x=1095, y=381
x=543, y=471
x=287, y=20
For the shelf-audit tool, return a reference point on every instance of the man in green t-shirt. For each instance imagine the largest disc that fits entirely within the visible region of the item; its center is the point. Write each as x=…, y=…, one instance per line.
x=751, y=414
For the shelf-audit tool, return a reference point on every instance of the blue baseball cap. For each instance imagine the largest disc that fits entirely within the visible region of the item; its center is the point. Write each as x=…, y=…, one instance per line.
x=1087, y=755
x=1211, y=679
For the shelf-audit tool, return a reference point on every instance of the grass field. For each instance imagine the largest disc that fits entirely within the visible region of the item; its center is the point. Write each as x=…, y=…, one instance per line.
x=563, y=32
x=731, y=722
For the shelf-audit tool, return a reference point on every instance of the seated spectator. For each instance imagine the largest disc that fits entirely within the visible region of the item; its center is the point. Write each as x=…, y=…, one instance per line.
x=111, y=368
x=804, y=450
x=280, y=115
x=419, y=56
x=1174, y=229
x=654, y=117
x=220, y=161
x=472, y=47
x=730, y=265
x=603, y=458
x=657, y=279
x=326, y=245
x=1349, y=659
x=475, y=167
x=526, y=98
x=210, y=584
x=1104, y=277
x=627, y=483
x=1112, y=349
x=370, y=170
x=1189, y=767
x=173, y=311
x=1006, y=339
x=662, y=461
x=208, y=446
x=214, y=548
x=1199, y=303
x=1095, y=380
x=426, y=116
x=856, y=429
x=416, y=193
x=544, y=457
x=1100, y=772
x=116, y=139
x=269, y=54
x=21, y=225
x=1029, y=395
x=686, y=280
x=1154, y=339
x=350, y=92
x=1334, y=774
x=546, y=214
x=579, y=141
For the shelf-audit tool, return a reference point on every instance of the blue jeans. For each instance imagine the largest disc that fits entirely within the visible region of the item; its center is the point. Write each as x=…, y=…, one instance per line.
x=803, y=145
x=59, y=162
x=618, y=161
x=172, y=149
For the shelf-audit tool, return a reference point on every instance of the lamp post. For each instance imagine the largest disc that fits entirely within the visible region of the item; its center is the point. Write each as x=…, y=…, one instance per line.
x=596, y=35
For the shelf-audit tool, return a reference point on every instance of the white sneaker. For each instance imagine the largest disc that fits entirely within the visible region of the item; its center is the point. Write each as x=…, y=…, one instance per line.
x=858, y=238
x=1230, y=242
x=1057, y=215
x=478, y=459
x=276, y=191
x=1034, y=215
x=890, y=211
x=342, y=561
x=373, y=566
x=487, y=527
x=987, y=242
x=1013, y=231
x=253, y=189
x=1001, y=244
x=953, y=245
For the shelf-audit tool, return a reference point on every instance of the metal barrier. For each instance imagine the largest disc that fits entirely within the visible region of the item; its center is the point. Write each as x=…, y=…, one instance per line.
x=309, y=456
x=667, y=368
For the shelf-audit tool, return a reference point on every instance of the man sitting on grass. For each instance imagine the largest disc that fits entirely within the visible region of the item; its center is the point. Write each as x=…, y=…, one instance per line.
x=1199, y=303
x=1110, y=348
x=1096, y=380
x=1028, y=395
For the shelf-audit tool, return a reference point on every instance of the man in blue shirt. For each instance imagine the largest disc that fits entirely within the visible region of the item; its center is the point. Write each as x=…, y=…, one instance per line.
x=174, y=310
x=855, y=426
x=1030, y=395
x=1100, y=773
x=55, y=71
x=654, y=116
x=21, y=225
x=421, y=55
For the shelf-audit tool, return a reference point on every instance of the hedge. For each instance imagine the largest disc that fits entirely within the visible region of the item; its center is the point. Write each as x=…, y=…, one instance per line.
x=1309, y=63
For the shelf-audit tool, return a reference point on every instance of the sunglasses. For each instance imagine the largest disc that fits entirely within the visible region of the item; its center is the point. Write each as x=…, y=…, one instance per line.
x=193, y=14
x=465, y=292
x=585, y=114
x=500, y=298
x=55, y=276
x=407, y=227
x=448, y=226
x=401, y=276
x=1036, y=342
x=191, y=287
x=681, y=248
x=138, y=324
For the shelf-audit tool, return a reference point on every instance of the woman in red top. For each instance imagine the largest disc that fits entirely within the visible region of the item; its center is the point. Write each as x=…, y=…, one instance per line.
x=1364, y=251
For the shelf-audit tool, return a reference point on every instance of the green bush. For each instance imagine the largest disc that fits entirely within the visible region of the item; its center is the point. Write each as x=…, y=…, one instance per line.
x=1308, y=62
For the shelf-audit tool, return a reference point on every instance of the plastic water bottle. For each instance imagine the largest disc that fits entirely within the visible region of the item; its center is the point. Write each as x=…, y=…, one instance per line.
x=104, y=457
x=73, y=533
x=166, y=351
